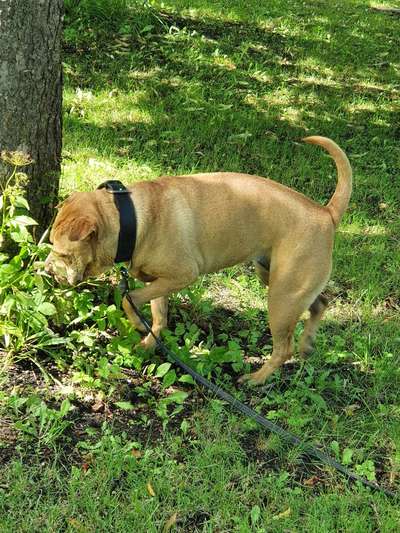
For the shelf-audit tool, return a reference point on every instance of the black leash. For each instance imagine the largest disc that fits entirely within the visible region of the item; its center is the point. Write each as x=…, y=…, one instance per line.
x=243, y=408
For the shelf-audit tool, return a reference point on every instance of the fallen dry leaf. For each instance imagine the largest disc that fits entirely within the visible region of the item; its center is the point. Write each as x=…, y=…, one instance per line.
x=75, y=524
x=349, y=409
x=136, y=453
x=170, y=522
x=150, y=489
x=98, y=406
x=311, y=481
x=284, y=514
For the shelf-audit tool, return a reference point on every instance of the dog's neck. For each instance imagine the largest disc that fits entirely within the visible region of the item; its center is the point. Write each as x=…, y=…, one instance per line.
x=108, y=233
x=127, y=219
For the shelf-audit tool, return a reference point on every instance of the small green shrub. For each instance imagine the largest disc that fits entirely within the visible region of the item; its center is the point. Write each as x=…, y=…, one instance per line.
x=39, y=422
x=41, y=320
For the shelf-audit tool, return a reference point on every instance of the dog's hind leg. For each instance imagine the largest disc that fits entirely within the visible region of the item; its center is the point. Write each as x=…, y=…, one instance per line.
x=317, y=309
x=282, y=324
x=262, y=269
x=289, y=296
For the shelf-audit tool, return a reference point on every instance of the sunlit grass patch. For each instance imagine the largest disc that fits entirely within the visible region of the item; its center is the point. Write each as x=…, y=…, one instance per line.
x=178, y=87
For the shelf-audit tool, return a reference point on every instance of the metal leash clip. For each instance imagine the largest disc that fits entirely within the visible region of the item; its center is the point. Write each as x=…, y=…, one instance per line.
x=123, y=284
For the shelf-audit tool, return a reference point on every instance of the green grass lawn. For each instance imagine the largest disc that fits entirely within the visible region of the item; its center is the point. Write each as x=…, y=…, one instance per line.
x=233, y=85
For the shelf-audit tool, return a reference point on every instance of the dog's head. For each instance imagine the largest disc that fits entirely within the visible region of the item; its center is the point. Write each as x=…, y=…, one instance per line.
x=75, y=239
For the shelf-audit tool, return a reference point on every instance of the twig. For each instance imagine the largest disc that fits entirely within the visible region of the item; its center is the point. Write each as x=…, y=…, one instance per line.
x=388, y=10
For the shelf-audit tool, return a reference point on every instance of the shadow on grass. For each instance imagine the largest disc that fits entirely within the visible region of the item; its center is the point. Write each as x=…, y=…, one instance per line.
x=365, y=266
x=222, y=95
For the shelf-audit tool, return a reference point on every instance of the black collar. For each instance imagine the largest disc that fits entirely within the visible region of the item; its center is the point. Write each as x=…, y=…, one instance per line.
x=127, y=219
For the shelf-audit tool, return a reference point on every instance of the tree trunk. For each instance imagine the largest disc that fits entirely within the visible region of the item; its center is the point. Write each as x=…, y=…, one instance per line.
x=31, y=96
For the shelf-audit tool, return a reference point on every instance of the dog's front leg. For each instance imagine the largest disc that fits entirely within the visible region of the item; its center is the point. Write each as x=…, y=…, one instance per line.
x=157, y=292
x=132, y=316
x=159, y=312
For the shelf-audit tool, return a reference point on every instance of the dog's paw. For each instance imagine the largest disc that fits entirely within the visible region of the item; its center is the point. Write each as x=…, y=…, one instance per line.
x=251, y=380
x=148, y=343
x=306, y=347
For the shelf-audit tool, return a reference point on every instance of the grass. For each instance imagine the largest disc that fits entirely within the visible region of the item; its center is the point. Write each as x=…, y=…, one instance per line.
x=200, y=86
x=209, y=482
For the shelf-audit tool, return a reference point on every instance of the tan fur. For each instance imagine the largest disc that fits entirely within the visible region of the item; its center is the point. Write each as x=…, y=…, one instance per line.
x=193, y=225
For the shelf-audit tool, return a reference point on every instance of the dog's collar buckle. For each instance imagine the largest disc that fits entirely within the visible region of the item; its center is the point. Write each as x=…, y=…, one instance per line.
x=114, y=186
x=127, y=219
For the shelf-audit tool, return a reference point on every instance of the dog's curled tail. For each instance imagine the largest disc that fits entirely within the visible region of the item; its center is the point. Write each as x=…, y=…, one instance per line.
x=340, y=199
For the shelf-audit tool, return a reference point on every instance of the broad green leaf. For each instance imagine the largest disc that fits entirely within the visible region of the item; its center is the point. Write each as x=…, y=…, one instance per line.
x=335, y=448
x=347, y=455
x=24, y=220
x=150, y=368
x=184, y=426
x=147, y=28
x=177, y=397
x=317, y=400
x=20, y=201
x=126, y=406
x=169, y=378
x=53, y=341
x=162, y=370
x=47, y=308
x=65, y=407
x=186, y=378
x=20, y=235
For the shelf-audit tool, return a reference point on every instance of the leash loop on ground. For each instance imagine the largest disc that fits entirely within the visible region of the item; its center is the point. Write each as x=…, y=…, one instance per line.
x=243, y=408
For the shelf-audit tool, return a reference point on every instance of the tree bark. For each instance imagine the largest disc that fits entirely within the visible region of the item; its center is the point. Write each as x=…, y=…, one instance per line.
x=31, y=96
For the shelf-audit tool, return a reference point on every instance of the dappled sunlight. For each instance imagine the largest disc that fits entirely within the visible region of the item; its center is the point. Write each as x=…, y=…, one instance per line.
x=138, y=74
x=294, y=116
x=100, y=434
x=203, y=92
x=360, y=313
x=357, y=229
x=343, y=311
x=355, y=107
x=200, y=63
x=370, y=87
x=92, y=169
x=316, y=81
x=261, y=76
x=108, y=108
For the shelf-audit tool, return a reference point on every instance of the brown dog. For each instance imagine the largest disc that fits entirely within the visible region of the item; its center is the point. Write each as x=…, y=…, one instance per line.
x=193, y=225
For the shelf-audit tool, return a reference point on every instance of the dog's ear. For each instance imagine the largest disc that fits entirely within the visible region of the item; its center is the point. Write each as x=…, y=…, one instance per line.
x=82, y=228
